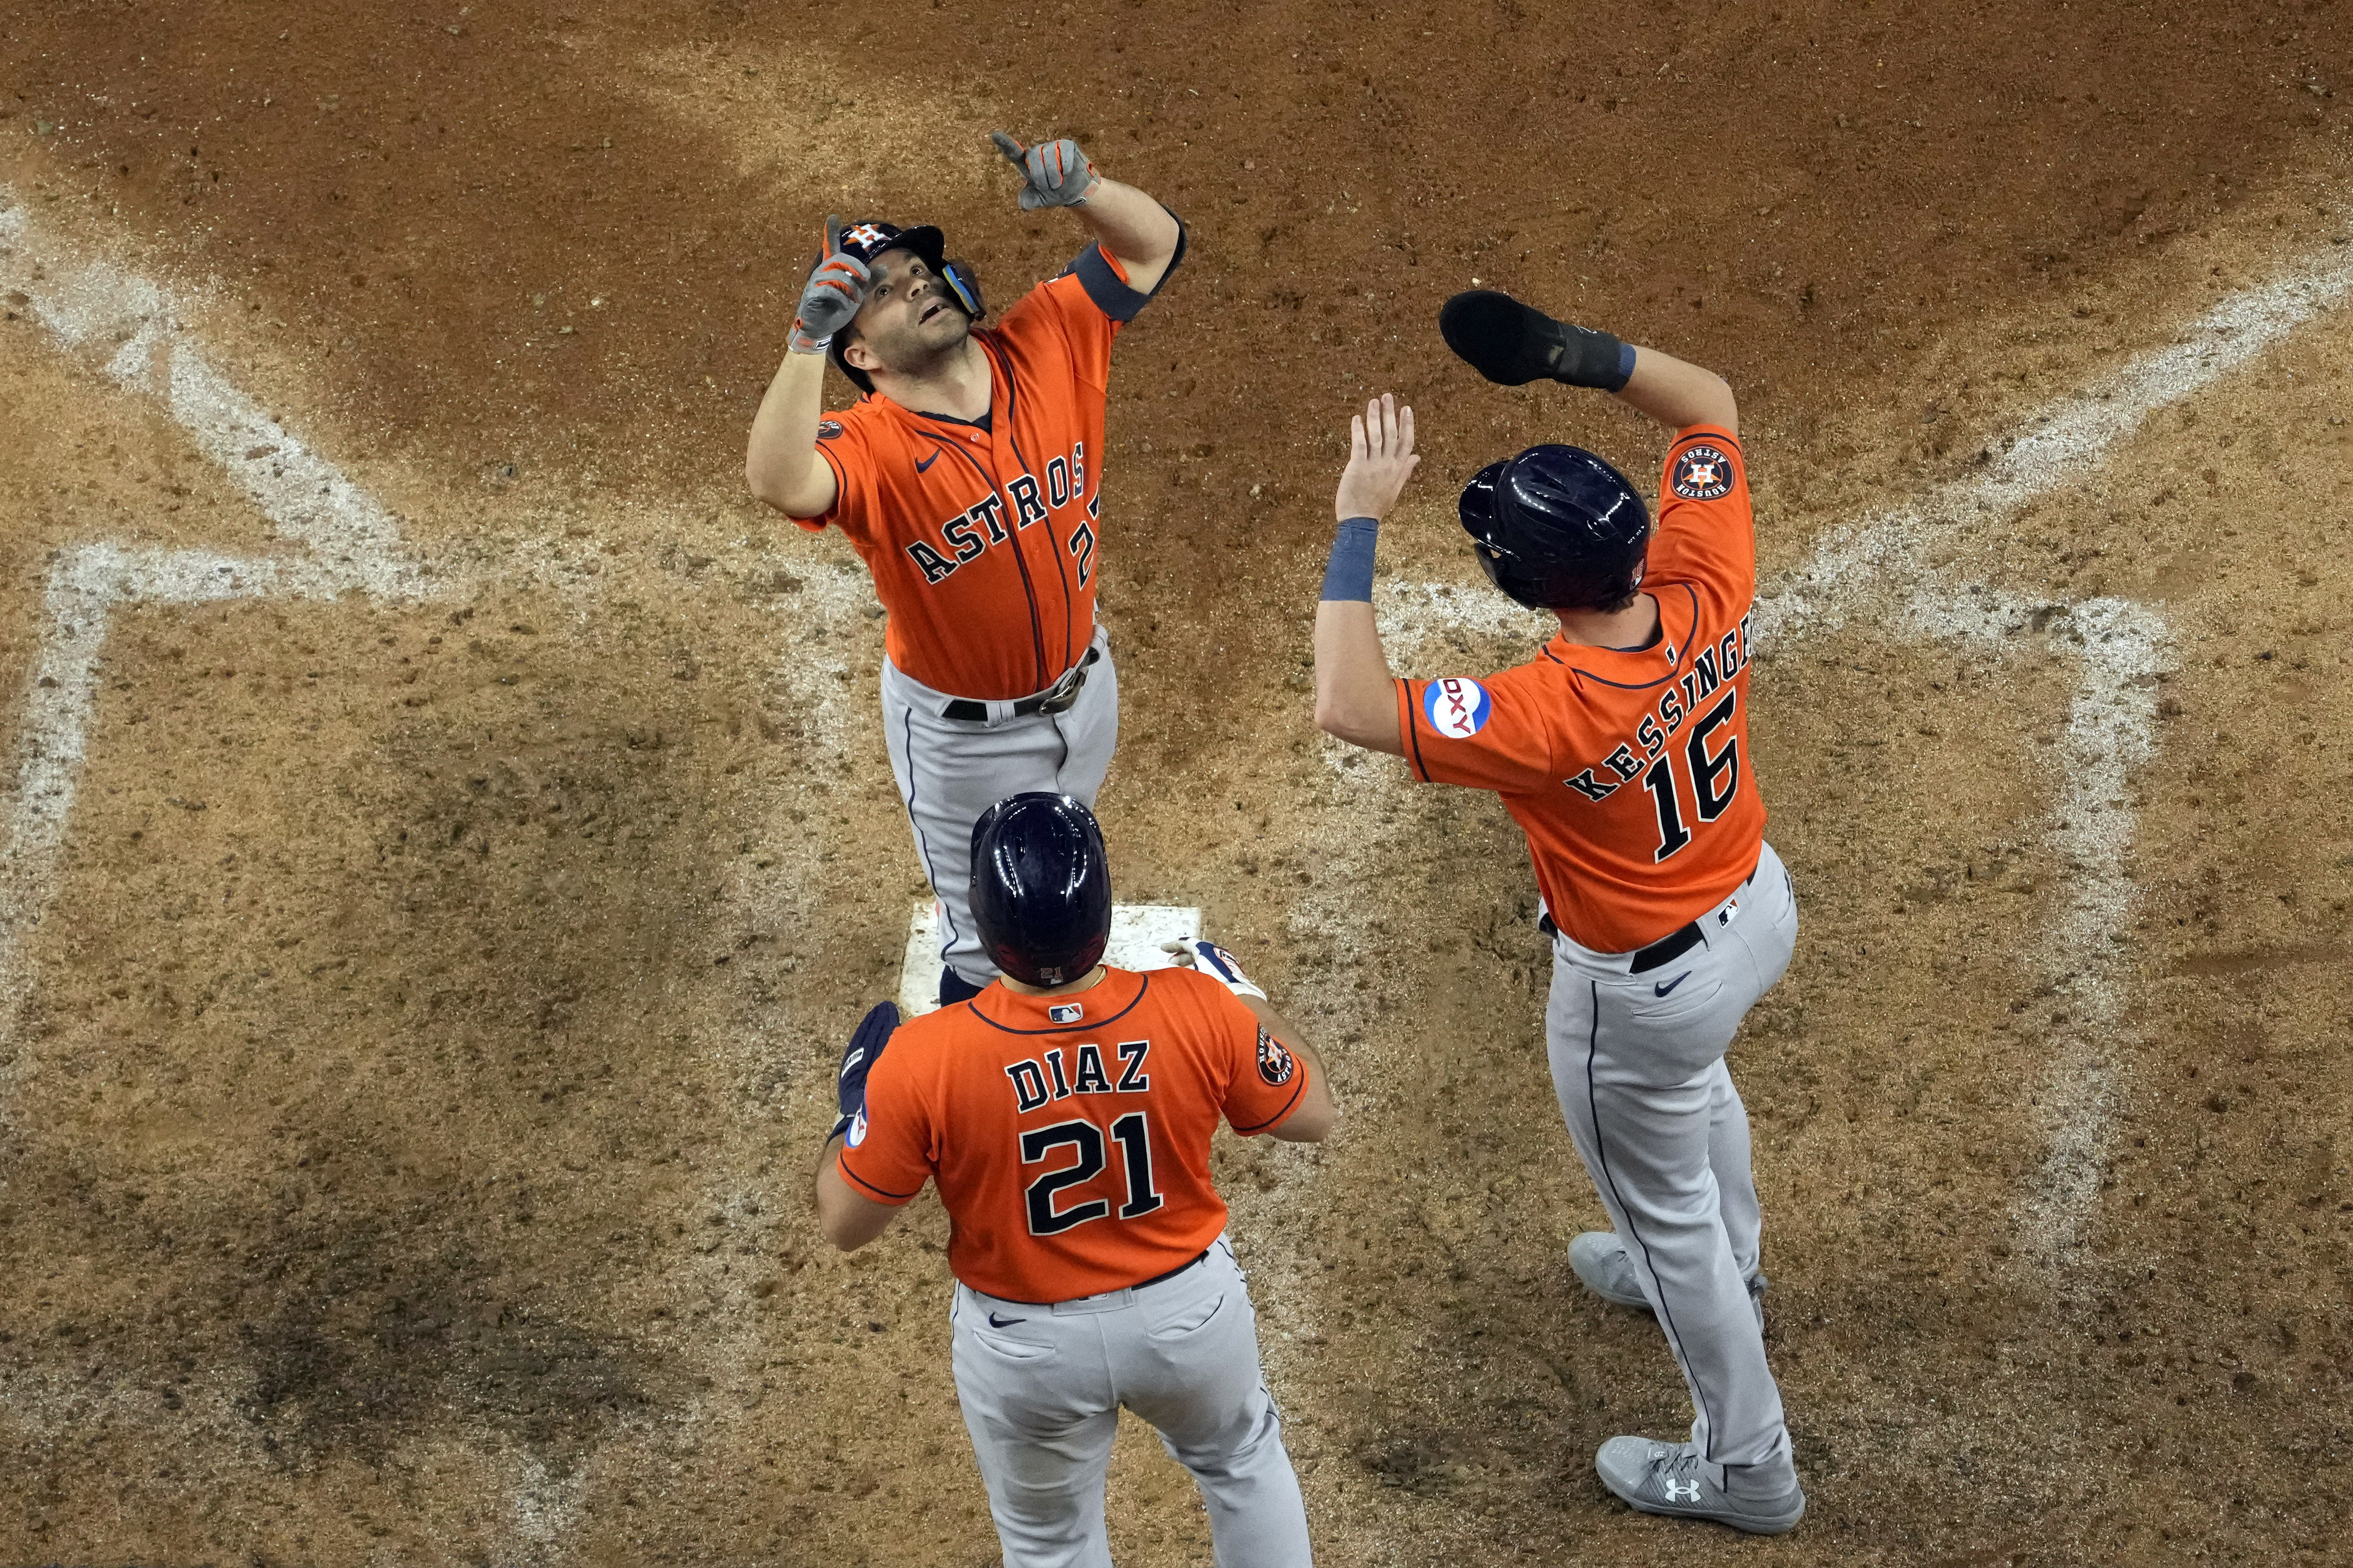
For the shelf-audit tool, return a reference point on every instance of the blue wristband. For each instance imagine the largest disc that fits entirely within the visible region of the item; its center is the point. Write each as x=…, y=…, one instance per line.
x=1625, y=367
x=1349, y=573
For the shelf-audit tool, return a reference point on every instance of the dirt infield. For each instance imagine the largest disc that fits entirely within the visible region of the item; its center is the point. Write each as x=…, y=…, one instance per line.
x=419, y=1022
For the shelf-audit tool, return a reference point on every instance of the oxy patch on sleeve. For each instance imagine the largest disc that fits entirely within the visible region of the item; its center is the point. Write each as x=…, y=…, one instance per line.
x=1456, y=708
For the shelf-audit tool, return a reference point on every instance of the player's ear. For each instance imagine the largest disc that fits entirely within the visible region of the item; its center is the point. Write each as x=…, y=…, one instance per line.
x=858, y=356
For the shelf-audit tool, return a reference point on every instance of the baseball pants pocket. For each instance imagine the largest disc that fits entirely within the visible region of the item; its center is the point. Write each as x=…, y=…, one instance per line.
x=1683, y=1033
x=1772, y=940
x=1190, y=1317
x=1000, y=1346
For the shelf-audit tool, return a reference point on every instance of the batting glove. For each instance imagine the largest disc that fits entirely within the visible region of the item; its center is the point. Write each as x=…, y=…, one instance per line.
x=1208, y=958
x=858, y=1059
x=1058, y=174
x=835, y=288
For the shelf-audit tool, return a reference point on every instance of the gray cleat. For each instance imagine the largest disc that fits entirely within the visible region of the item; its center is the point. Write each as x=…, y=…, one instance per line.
x=1599, y=1258
x=1668, y=1478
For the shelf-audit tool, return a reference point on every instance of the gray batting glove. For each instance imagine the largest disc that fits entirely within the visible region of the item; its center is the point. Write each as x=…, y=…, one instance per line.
x=1058, y=174
x=835, y=291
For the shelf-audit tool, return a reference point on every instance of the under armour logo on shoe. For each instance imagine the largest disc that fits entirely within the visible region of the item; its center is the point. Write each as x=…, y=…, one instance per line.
x=1677, y=1491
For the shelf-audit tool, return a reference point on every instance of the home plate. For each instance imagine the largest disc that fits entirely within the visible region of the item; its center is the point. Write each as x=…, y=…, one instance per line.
x=1136, y=932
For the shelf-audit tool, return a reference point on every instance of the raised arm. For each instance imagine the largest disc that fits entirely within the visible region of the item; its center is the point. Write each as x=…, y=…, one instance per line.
x=780, y=461
x=1678, y=395
x=1355, y=693
x=1512, y=343
x=1139, y=233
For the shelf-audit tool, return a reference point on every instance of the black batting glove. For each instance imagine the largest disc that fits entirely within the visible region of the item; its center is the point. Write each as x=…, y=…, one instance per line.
x=1511, y=345
x=858, y=1059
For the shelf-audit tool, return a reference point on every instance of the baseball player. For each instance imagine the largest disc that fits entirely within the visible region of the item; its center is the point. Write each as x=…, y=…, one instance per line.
x=968, y=478
x=1622, y=749
x=1065, y=1113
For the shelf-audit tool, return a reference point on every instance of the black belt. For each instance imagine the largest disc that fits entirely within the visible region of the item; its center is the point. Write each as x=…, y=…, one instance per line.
x=1664, y=951
x=1055, y=698
x=1193, y=1262
x=1198, y=1257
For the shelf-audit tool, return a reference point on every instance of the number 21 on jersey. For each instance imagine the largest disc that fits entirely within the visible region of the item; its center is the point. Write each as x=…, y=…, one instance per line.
x=1132, y=1132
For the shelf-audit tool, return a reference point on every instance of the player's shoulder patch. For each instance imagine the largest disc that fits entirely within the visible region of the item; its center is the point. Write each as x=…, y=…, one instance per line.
x=1456, y=706
x=1274, y=1061
x=828, y=429
x=1702, y=472
x=856, y=1129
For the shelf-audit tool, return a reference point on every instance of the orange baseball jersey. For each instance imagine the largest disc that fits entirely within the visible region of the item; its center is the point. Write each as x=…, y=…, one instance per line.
x=1070, y=1134
x=1630, y=770
x=983, y=539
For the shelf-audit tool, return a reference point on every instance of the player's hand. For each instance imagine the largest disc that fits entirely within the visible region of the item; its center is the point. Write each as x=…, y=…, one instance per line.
x=858, y=1057
x=835, y=288
x=1380, y=460
x=1213, y=961
x=1058, y=174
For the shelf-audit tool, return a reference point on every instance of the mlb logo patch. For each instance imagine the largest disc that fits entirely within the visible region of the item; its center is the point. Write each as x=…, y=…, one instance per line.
x=858, y=1129
x=1066, y=1012
x=1455, y=708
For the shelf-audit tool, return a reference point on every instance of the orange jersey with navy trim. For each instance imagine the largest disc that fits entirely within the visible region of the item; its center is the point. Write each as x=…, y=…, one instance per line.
x=1630, y=770
x=1070, y=1134
x=984, y=542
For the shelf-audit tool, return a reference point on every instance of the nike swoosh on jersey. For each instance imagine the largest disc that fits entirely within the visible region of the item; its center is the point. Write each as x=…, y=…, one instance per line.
x=1670, y=984
x=927, y=462
x=997, y=1323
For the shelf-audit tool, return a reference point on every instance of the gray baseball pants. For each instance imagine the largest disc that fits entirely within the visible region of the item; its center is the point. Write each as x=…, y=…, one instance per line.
x=1637, y=1061
x=952, y=770
x=1041, y=1389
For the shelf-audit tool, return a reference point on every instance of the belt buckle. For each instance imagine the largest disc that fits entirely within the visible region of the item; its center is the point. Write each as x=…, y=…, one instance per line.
x=1065, y=691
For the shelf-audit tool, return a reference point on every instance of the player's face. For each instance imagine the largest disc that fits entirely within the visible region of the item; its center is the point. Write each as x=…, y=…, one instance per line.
x=909, y=314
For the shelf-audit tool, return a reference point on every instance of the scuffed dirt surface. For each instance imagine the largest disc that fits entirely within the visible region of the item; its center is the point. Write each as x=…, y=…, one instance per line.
x=403, y=1121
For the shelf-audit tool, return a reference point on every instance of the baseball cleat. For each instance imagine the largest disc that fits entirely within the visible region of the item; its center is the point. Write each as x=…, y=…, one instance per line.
x=1668, y=1478
x=1599, y=1258
x=1509, y=343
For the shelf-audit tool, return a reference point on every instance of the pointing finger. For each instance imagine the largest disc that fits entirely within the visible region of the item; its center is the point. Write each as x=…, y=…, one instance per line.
x=1012, y=150
x=832, y=233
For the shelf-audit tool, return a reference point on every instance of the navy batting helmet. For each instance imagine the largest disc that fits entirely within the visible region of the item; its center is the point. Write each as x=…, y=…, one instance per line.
x=1557, y=528
x=870, y=239
x=1040, y=888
